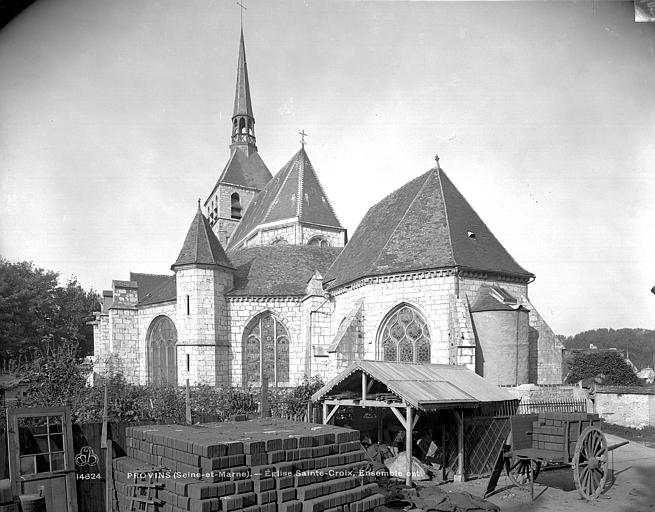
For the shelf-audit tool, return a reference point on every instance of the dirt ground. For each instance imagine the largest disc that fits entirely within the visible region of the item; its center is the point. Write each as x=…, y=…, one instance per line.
x=632, y=491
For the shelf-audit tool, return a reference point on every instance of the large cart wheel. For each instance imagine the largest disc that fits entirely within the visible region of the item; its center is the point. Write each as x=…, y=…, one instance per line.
x=518, y=471
x=590, y=463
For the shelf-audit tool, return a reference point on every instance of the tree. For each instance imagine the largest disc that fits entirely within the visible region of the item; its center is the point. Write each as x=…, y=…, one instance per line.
x=35, y=311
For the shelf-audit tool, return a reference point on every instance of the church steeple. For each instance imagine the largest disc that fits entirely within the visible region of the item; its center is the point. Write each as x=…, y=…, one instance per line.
x=243, y=120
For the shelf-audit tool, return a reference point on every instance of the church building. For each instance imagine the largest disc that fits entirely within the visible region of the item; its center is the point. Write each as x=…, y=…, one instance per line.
x=267, y=283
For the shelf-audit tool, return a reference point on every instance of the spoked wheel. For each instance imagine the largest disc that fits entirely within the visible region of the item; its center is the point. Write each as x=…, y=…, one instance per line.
x=590, y=463
x=518, y=471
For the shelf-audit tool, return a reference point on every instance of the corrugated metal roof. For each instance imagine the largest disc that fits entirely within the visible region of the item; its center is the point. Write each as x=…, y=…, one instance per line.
x=423, y=385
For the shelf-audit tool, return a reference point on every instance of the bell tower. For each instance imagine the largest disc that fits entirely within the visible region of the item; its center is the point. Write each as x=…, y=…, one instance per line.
x=245, y=173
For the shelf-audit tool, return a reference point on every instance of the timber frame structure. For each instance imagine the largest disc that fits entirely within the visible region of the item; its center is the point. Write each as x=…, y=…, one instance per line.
x=409, y=389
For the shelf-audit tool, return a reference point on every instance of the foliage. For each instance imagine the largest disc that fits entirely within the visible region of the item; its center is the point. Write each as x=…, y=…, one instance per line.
x=639, y=344
x=292, y=403
x=610, y=364
x=58, y=377
x=36, y=312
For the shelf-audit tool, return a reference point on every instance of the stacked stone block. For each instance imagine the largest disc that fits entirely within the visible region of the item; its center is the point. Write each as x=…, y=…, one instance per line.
x=255, y=466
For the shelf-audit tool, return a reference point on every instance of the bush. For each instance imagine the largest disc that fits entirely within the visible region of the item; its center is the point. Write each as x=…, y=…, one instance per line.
x=58, y=378
x=611, y=365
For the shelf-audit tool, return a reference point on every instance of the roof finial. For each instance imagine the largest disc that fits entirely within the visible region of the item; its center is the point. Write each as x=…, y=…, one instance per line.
x=302, y=137
x=243, y=8
x=436, y=159
x=199, y=204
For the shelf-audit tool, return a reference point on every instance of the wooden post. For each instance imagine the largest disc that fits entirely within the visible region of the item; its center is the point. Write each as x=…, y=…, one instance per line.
x=364, y=386
x=443, y=453
x=265, y=411
x=325, y=413
x=408, y=446
x=308, y=417
x=459, y=476
x=187, y=400
x=380, y=414
x=106, y=446
x=109, y=475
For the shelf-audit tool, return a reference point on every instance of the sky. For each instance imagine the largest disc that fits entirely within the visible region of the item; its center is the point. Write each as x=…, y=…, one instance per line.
x=115, y=119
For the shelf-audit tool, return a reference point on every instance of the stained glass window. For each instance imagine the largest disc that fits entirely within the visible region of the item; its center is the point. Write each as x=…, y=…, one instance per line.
x=162, y=352
x=405, y=337
x=266, y=350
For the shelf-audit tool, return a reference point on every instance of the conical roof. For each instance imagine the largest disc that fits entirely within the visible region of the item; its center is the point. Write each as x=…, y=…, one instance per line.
x=242, y=103
x=295, y=192
x=201, y=247
x=425, y=224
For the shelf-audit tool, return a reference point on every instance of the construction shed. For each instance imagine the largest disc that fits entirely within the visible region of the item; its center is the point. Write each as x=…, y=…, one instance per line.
x=471, y=413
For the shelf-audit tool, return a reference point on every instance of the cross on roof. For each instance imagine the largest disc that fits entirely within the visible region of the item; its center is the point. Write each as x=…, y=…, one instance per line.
x=302, y=137
x=243, y=8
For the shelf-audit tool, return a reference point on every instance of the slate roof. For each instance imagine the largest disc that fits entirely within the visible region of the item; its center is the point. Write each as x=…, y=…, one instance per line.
x=201, y=245
x=244, y=170
x=424, y=386
x=495, y=298
x=147, y=282
x=242, y=103
x=165, y=292
x=294, y=192
x=425, y=224
x=278, y=270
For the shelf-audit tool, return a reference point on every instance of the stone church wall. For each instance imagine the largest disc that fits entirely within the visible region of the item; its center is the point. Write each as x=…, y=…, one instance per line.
x=287, y=310
x=428, y=292
x=222, y=209
x=146, y=317
x=203, y=321
x=334, y=238
x=545, y=356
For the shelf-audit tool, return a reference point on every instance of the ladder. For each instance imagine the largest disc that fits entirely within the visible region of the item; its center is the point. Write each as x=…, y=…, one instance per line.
x=143, y=497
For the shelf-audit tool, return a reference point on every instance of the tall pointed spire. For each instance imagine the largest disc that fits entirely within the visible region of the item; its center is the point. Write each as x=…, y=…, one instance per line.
x=243, y=120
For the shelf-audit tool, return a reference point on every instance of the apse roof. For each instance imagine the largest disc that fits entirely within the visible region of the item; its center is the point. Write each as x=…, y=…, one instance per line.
x=278, y=270
x=425, y=224
x=294, y=192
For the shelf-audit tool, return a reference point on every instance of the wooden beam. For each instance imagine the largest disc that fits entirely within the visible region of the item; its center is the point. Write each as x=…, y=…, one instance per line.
x=187, y=401
x=459, y=477
x=331, y=414
x=364, y=383
x=400, y=417
x=364, y=403
x=416, y=419
x=325, y=413
x=370, y=384
x=408, y=446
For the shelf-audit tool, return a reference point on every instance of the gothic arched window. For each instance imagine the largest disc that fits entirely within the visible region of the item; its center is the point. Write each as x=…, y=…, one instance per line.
x=266, y=349
x=405, y=336
x=162, y=351
x=236, y=206
x=318, y=240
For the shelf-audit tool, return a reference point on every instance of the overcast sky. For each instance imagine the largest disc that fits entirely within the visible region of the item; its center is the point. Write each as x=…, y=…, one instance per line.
x=115, y=118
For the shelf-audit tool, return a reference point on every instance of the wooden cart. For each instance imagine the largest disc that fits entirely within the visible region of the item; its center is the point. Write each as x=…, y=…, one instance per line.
x=559, y=438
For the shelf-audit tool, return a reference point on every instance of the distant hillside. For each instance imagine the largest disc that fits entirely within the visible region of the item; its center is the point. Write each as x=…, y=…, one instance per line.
x=638, y=343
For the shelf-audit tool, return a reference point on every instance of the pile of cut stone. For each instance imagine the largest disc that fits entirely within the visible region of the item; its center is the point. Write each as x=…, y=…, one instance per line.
x=266, y=465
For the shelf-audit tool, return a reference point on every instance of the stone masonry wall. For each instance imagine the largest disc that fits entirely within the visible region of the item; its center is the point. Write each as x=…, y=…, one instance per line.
x=428, y=292
x=222, y=206
x=548, y=352
x=287, y=310
x=334, y=238
x=627, y=409
x=146, y=317
x=203, y=322
x=123, y=328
